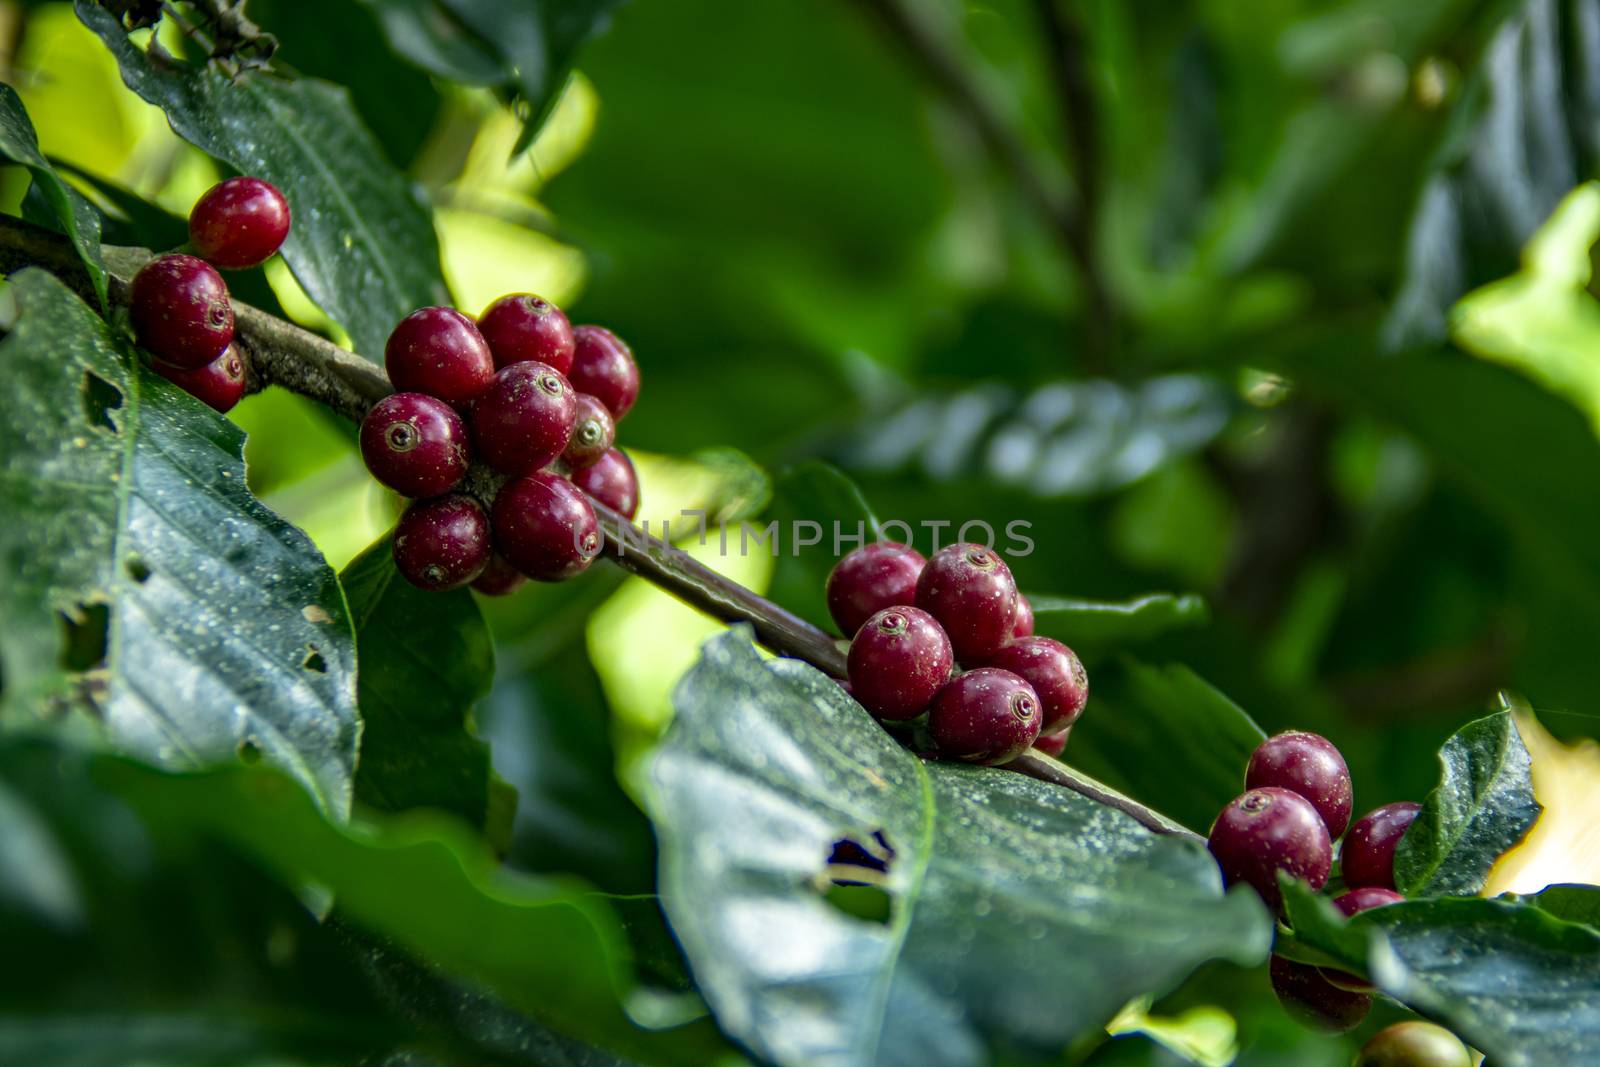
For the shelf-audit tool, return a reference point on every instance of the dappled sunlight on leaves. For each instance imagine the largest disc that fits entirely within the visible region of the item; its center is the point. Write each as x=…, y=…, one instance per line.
x=1564, y=845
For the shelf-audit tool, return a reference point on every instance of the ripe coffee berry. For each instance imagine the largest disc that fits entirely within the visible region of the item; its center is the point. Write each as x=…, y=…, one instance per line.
x=522, y=326
x=415, y=444
x=239, y=223
x=499, y=577
x=899, y=659
x=219, y=383
x=1353, y=903
x=1270, y=830
x=442, y=543
x=523, y=418
x=969, y=589
x=1023, y=627
x=984, y=716
x=593, y=433
x=1367, y=858
x=1053, y=745
x=1414, y=1044
x=1309, y=1000
x=545, y=528
x=611, y=480
x=438, y=351
x=1056, y=674
x=1307, y=764
x=603, y=367
x=871, y=578
x=180, y=311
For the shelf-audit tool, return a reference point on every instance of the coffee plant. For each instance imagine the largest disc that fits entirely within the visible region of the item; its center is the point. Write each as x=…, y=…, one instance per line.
x=608, y=532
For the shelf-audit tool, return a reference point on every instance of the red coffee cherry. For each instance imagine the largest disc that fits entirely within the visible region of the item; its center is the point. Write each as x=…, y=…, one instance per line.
x=1023, y=627
x=545, y=528
x=442, y=543
x=611, y=480
x=499, y=578
x=603, y=367
x=415, y=444
x=871, y=578
x=593, y=433
x=1367, y=858
x=1270, y=830
x=239, y=223
x=899, y=659
x=523, y=418
x=984, y=716
x=523, y=327
x=219, y=383
x=1307, y=764
x=969, y=589
x=438, y=351
x=1309, y=1000
x=180, y=311
x=1353, y=903
x=1056, y=674
x=1053, y=745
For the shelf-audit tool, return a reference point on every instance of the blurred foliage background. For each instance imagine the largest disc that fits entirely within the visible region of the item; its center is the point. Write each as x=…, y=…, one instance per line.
x=1284, y=303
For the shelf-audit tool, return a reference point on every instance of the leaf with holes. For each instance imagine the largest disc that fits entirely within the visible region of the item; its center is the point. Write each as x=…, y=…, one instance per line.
x=362, y=244
x=1511, y=979
x=998, y=909
x=1482, y=807
x=74, y=216
x=143, y=580
x=426, y=659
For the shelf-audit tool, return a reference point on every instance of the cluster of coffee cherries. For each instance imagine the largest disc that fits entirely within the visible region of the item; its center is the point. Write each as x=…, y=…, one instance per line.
x=1297, y=802
x=530, y=397
x=178, y=303
x=950, y=637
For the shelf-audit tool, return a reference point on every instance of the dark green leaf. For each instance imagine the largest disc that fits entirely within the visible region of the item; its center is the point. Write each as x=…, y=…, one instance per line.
x=362, y=244
x=1164, y=735
x=815, y=492
x=1574, y=903
x=1018, y=913
x=426, y=660
x=74, y=216
x=549, y=947
x=1101, y=622
x=1481, y=808
x=140, y=576
x=1511, y=979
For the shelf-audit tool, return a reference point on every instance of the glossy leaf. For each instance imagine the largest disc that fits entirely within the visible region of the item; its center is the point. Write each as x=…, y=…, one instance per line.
x=1009, y=911
x=1104, y=622
x=1165, y=736
x=1482, y=807
x=143, y=581
x=426, y=660
x=361, y=243
x=1574, y=903
x=1510, y=979
x=74, y=216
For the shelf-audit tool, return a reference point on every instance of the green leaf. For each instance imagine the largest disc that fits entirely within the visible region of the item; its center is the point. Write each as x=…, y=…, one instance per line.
x=1012, y=911
x=1482, y=807
x=75, y=216
x=1165, y=735
x=1511, y=979
x=143, y=580
x=426, y=660
x=362, y=244
x=1104, y=622
x=820, y=493
x=1574, y=903
x=550, y=947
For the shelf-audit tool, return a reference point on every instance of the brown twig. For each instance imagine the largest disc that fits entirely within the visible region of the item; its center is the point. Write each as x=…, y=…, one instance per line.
x=1071, y=222
x=281, y=353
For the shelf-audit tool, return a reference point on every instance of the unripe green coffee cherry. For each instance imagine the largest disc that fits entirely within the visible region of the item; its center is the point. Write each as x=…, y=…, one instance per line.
x=1414, y=1044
